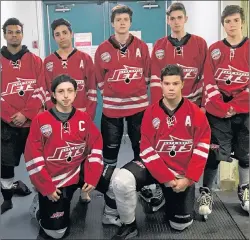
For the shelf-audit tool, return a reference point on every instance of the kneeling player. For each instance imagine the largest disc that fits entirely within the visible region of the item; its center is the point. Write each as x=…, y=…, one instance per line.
x=63, y=152
x=175, y=137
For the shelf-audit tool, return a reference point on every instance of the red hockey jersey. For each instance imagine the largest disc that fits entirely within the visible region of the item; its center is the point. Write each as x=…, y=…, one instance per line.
x=79, y=66
x=190, y=54
x=175, y=145
x=122, y=74
x=226, y=78
x=56, y=151
x=22, y=85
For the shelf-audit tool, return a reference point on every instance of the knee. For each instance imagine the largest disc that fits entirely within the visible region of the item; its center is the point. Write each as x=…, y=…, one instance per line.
x=244, y=162
x=124, y=182
x=56, y=234
x=212, y=162
x=180, y=225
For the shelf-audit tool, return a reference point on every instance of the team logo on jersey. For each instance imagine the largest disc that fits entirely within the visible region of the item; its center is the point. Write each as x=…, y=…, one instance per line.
x=160, y=54
x=231, y=75
x=216, y=53
x=189, y=72
x=49, y=66
x=80, y=85
x=68, y=152
x=138, y=53
x=156, y=123
x=127, y=74
x=106, y=57
x=46, y=130
x=174, y=145
x=57, y=215
x=20, y=86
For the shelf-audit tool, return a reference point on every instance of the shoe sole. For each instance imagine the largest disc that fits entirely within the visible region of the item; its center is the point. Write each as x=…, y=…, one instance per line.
x=131, y=235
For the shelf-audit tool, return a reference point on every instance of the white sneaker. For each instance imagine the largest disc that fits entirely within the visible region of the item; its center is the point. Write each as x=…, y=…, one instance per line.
x=206, y=201
x=111, y=220
x=34, y=206
x=243, y=194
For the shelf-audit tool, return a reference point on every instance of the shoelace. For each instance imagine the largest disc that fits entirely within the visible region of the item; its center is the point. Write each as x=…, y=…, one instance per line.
x=205, y=199
x=246, y=195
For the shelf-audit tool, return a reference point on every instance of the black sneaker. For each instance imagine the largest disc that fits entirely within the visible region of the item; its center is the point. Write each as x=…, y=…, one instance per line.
x=126, y=231
x=6, y=205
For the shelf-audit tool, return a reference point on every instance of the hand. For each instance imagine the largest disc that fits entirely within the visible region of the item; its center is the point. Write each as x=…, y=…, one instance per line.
x=87, y=188
x=203, y=109
x=18, y=119
x=181, y=184
x=171, y=183
x=230, y=112
x=54, y=197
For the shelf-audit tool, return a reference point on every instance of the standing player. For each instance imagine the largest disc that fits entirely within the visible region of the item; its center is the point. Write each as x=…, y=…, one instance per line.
x=175, y=137
x=187, y=51
x=63, y=152
x=226, y=77
x=122, y=70
x=22, y=78
x=77, y=64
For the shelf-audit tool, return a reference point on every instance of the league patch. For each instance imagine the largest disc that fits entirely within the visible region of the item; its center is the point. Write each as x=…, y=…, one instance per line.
x=215, y=54
x=46, y=130
x=156, y=123
x=160, y=54
x=49, y=66
x=106, y=57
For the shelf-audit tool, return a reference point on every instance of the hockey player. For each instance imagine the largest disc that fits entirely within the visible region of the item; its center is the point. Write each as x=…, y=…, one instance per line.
x=175, y=137
x=187, y=51
x=122, y=70
x=63, y=152
x=226, y=78
x=77, y=64
x=22, y=78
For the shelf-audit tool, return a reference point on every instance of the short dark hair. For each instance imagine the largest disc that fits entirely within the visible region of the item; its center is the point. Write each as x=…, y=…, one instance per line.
x=11, y=21
x=59, y=22
x=176, y=7
x=230, y=10
x=119, y=9
x=172, y=70
x=61, y=79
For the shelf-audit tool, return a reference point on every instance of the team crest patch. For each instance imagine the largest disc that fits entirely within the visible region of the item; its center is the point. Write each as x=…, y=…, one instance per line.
x=156, y=123
x=49, y=66
x=106, y=57
x=215, y=54
x=160, y=54
x=46, y=130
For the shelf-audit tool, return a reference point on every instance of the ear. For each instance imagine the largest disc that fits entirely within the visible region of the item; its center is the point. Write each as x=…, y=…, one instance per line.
x=182, y=85
x=113, y=25
x=167, y=19
x=53, y=94
x=186, y=19
x=5, y=36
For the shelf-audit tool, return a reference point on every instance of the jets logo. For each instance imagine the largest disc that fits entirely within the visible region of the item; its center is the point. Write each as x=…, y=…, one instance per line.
x=231, y=75
x=21, y=84
x=174, y=145
x=189, y=72
x=69, y=151
x=127, y=74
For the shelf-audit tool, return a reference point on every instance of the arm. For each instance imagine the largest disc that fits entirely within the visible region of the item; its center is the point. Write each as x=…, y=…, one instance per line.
x=7, y=111
x=93, y=165
x=99, y=72
x=213, y=100
x=240, y=102
x=155, y=82
x=153, y=162
x=91, y=88
x=147, y=63
x=35, y=162
x=48, y=72
x=36, y=99
x=201, y=140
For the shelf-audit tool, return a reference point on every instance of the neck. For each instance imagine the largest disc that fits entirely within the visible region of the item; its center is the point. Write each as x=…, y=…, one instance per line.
x=172, y=103
x=14, y=50
x=178, y=35
x=64, y=109
x=122, y=38
x=64, y=52
x=234, y=40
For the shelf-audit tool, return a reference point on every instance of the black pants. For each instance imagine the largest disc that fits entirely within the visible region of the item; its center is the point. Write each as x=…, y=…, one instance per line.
x=179, y=206
x=112, y=131
x=229, y=135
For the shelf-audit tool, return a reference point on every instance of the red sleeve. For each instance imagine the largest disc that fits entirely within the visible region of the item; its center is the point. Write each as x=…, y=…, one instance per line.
x=36, y=100
x=153, y=162
x=48, y=79
x=99, y=72
x=7, y=111
x=93, y=165
x=91, y=87
x=240, y=102
x=35, y=162
x=201, y=141
x=155, y=82
x=147, y=63
x=214, y=103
